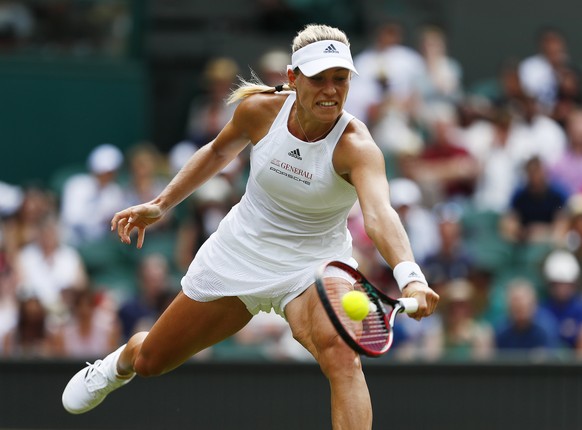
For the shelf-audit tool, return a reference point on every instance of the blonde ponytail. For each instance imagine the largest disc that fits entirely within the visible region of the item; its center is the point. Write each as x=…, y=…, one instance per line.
x=253, y=86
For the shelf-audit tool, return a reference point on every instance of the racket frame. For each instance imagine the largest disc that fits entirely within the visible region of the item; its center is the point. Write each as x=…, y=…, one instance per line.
x=377, y=297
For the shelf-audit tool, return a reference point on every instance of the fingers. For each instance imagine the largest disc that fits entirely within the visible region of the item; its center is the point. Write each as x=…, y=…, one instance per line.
x=124, y=225
x=123, y=230
x=140, y=237
x=433, y=300
x=120, y=217
x=115, y=220
x=427, y=302
x=426, y=306
x=125, y=222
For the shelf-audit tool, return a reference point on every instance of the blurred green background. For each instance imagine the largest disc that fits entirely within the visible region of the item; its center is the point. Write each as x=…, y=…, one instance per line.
x=121, y=71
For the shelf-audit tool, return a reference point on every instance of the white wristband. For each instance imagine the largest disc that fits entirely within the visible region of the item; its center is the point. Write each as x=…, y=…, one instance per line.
x=406, y=272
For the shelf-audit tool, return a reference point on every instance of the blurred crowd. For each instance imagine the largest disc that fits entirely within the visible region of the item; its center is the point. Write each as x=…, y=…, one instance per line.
x=487, y=183
x=58, y=27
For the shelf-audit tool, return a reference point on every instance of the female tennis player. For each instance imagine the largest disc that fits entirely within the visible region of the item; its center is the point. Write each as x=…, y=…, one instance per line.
x=310, y=162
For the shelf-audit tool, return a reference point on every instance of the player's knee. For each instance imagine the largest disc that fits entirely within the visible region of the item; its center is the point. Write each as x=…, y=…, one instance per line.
x=337, y=360
x=145, y=365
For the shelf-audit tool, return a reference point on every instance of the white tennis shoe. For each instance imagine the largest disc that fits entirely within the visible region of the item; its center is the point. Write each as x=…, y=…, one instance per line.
x=89, y=387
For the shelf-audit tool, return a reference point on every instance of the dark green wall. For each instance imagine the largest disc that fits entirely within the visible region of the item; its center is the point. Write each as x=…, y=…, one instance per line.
x=53, y=112
x=269, y=396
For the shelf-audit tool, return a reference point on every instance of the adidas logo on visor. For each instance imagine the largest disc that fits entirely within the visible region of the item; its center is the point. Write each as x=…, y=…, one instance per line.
x=330, y=50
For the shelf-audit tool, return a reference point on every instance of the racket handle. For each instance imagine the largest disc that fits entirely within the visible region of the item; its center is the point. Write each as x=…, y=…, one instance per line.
x=410, y=304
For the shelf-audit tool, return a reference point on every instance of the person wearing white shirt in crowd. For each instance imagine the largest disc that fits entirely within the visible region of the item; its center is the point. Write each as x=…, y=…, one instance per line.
x=443, y=80
x=498, y=171
x=389, y=73
x=48, y=269
x=89, y=200
x=515, y=139
x=538, y=72
x=534, y=133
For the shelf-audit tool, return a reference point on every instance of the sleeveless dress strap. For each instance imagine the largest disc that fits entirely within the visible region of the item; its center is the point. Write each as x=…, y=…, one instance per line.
x=339, y=128
x=283, y=115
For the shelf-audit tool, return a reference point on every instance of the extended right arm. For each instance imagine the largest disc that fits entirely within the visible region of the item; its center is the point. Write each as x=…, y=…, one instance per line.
x=204, y=164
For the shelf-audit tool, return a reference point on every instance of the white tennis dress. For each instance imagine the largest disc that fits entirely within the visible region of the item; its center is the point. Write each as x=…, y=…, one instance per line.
x=291, y=219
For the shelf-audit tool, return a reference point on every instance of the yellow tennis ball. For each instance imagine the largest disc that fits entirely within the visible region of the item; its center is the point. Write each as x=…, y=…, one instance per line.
x=356, y=305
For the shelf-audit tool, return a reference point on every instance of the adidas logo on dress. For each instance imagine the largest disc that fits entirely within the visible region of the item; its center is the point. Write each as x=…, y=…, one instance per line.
x=330, y=50
x=295, y=154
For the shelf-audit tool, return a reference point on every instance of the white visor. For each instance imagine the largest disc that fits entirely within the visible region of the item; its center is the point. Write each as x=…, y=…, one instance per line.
x=319, y=56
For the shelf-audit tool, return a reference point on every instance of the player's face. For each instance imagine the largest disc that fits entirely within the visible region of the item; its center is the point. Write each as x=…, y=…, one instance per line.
x=323, y=95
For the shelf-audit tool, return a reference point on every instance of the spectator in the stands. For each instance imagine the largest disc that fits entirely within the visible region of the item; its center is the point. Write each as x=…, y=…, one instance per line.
x=443, y=80
x=272, y=66
x=569, y=97
x=525, y=331
x=154, y=292
x=567, y=170
x=536, y=208
x=91, y=330
x=535, y=134
x=571, y=237
x=31, y=337
x=538, y=72
x=389, y=75
x=445, y=167
x=497, y=170
x=49, y=269
x=561, y=271
x=146, y=178
x=208, y=112
x=22, y=226
x=8, y=297
x=420, y=223
x=463, y=335
x=451, y=260
x=90, y=200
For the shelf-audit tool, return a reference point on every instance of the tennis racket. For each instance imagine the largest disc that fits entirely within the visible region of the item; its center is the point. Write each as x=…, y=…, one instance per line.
x=373, y=335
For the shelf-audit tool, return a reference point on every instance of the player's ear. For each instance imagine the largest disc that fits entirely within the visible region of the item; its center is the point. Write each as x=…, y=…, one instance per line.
x=291, y=76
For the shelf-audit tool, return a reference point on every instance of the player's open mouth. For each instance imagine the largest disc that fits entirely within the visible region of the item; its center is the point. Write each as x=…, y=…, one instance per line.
x=327, y=104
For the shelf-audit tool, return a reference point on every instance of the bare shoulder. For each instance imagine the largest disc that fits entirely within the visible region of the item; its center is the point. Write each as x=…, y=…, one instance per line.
x=356, y=146
x=256, y=113
x=357, y=133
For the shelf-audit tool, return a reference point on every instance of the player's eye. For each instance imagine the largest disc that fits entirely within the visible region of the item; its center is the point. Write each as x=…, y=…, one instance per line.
x=316, y=78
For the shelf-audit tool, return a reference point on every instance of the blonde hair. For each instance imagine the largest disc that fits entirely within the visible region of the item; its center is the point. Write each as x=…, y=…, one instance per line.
x=314, y=33
x=310, y=34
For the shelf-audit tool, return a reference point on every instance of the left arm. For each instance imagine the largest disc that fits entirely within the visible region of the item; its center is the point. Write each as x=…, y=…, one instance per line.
x=359, y=160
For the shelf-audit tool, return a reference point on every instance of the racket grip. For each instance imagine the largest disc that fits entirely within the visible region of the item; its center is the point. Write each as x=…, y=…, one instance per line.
x=410, y=304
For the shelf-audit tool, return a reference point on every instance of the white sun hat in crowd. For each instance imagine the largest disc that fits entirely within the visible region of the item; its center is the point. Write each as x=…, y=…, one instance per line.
x=105, y=158
x=561, y=266
x=404, y=192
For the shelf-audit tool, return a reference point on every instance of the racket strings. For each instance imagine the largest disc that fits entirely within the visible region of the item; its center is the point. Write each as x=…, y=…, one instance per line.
x=372, y=332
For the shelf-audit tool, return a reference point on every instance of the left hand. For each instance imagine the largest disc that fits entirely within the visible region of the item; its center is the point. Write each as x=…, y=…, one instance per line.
x=426, y=297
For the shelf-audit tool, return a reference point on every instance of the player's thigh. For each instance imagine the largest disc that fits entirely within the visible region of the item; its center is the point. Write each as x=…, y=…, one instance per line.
x=187, y=327
x=313, y=329
x=309, y=322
